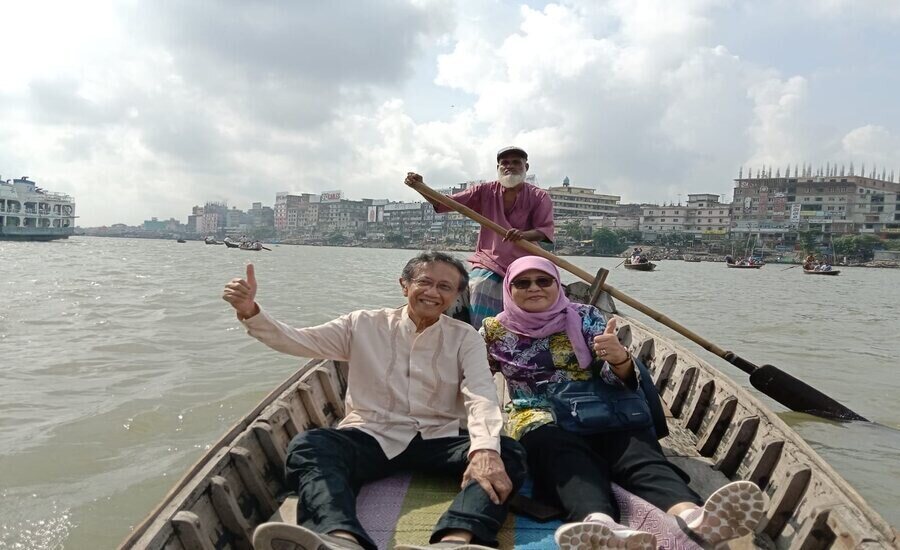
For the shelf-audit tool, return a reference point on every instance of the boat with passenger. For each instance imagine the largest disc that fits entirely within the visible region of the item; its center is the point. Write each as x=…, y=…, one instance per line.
x=640, y=265
x=819, y=272
x=743, y=263
x=718, y=432
x=254, y=246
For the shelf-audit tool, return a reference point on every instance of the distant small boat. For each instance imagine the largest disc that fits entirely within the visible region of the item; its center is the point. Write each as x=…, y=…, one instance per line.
x=729, y=261
x=231, y=244
x=212, y=240
x=251, y=246
x=692, y=259
x=181, y=241
x=814, y=272
x=642, y=266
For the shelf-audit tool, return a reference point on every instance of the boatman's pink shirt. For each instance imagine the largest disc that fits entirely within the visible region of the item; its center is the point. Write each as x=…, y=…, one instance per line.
x=531, y=210
x=401, y=382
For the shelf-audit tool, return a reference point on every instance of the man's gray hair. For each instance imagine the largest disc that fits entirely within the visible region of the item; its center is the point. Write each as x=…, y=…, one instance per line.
x=431, y=256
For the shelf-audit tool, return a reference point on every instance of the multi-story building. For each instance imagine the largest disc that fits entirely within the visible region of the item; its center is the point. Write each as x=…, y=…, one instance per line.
x=453, y=225
x=196, y=214
x=304, y=217
x=706, y=216
x=656, y=219
x=593, y=223
x=828, y=200
x=212, y=222
x=261, y=216
x=342, y=215
x=235, y=219
x=412, y=219
x=581, y=202
x=287, y=211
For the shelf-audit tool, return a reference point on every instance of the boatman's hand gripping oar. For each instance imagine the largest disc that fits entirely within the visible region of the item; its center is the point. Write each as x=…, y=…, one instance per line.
x=777, y=384
x=241, y=294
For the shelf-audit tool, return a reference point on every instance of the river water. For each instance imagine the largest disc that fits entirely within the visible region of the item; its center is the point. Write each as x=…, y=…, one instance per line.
x=119, y=362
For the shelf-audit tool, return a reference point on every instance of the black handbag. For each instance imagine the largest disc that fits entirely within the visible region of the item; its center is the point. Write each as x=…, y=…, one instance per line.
x=593, y=406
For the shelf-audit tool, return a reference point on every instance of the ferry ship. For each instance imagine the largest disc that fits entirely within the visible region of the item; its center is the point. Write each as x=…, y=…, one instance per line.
x=29, y=213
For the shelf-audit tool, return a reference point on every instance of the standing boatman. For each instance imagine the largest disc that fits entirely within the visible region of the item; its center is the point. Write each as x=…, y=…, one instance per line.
x=523, y=208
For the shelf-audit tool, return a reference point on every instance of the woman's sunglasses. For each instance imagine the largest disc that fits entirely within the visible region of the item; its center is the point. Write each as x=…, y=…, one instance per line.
x=542, y=282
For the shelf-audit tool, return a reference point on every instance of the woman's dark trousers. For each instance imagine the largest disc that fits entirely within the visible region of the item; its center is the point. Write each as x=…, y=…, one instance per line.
x=575, y=472
x=328, y=467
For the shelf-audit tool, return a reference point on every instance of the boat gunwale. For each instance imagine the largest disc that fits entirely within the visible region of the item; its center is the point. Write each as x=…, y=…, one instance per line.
x=227, y=438
x=789, y=435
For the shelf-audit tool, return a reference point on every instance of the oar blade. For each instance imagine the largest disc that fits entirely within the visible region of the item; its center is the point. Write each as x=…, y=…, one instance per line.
x=798, y=395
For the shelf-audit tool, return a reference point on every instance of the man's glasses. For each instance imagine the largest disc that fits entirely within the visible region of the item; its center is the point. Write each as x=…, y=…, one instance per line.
x=525, y=284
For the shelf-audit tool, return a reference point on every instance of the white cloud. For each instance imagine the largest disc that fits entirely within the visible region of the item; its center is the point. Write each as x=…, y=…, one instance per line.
x=150, y=108
x=777, y=127
x=872, y=144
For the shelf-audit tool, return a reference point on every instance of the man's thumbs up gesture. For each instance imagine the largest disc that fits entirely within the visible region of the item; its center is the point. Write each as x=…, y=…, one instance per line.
x=609, y=349
x=241, y=294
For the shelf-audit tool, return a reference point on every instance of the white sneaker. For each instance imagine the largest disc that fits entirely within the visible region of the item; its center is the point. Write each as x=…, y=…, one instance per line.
x=284, y=536
x=597, y=533
x=733, y=511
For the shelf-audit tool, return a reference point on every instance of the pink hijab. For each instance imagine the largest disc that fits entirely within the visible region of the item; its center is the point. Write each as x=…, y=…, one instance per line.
x=562, y=315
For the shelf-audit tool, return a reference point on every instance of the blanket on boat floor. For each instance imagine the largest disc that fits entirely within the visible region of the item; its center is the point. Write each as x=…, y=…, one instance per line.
x=403, y=509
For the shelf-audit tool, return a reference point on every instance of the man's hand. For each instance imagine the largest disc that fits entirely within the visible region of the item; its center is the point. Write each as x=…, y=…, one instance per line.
x=487, y=469
x=514, y=235
x=532, y=235
x=413, y=179
x=241, y=294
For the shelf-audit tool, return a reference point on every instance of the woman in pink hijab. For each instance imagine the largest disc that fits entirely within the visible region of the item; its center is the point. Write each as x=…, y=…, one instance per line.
x=541, y=339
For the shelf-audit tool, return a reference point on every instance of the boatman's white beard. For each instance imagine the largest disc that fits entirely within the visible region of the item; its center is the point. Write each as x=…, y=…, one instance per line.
x=511, y=180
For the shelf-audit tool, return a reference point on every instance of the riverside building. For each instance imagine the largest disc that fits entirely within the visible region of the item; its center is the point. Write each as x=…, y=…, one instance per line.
x=581, y=202
x=829, y=200
x=704, y=217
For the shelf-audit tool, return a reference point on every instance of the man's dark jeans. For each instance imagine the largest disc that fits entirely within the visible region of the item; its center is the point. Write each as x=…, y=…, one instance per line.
x=329, y=466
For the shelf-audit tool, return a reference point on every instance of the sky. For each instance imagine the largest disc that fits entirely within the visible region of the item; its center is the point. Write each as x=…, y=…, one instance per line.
x=142, y=109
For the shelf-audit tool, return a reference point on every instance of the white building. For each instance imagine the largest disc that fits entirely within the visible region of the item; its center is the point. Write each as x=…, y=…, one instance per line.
x=581, y=202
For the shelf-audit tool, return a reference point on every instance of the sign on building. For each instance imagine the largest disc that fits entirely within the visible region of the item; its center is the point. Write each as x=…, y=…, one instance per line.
x=331, y=196
x=375, y=214
x=795, y=213
x=395, y=206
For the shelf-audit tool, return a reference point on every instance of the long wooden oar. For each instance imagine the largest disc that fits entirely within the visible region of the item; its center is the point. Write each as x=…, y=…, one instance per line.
x=777, y=384
x=620, y=263
x=792, y=267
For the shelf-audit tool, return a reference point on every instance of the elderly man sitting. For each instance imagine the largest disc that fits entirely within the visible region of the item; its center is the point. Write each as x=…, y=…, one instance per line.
x=416, y=377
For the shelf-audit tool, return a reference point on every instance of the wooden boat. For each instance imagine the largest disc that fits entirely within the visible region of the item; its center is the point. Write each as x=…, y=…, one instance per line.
x=180, y=241
x=212, y=240
x=814, y=272
x=231, y=244
x=692, y=259
x=740, y=266
x=719, y=432
x=255, y=247
x=646, y=266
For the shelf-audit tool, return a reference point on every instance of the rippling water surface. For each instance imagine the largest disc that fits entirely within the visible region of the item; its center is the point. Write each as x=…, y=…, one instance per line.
x=119, y=362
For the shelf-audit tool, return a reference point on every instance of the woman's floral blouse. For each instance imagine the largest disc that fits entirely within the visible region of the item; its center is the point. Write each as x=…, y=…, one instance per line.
x=528, y=364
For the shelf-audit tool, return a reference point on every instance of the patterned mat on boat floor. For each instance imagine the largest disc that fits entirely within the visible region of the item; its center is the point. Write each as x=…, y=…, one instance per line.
x=414, y=503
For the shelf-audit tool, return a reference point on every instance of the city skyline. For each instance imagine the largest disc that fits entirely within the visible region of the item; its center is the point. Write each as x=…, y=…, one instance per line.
x=140, y=109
